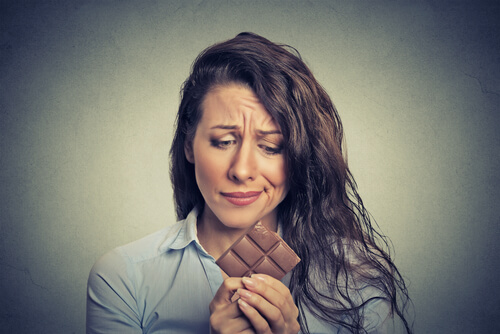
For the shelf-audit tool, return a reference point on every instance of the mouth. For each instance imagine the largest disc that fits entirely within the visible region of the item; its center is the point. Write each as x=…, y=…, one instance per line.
x=241, y=198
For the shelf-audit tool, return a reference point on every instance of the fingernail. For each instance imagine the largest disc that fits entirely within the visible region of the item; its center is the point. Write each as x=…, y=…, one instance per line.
x=248, y=282
x=260, y=278
x=235, y=297
x=244, y=293
x=242, y=303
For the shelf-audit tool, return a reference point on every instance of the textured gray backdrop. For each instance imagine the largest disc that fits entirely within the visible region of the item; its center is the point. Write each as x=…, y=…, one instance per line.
x=88, y=94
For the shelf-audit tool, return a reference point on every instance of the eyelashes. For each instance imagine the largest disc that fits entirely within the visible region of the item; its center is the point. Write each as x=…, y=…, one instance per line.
x=271, y=150
x=266, y=149
x=222, y=144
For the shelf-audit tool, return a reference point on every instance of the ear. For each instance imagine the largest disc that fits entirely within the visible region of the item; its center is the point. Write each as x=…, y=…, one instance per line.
x=188, y=151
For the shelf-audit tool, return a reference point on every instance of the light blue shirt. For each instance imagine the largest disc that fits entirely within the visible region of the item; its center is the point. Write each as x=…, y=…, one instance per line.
x=163, y=283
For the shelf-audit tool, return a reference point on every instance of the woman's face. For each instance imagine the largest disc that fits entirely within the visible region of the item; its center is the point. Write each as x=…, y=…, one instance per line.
x=238, y=156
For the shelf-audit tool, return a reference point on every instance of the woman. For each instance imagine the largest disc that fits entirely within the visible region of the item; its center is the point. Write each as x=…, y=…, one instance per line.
x=257, y=139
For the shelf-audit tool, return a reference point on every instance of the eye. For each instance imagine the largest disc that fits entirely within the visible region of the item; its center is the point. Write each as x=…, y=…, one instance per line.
x=268, y=150
x=222, y=144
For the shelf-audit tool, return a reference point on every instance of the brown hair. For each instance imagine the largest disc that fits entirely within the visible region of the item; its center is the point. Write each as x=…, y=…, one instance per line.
x=323, y=217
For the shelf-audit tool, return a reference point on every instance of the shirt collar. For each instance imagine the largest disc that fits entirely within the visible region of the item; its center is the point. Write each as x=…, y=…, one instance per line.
x=188, y=232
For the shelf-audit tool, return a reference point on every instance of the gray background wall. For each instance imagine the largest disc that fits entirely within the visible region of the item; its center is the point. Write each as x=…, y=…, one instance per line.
x=88, y=94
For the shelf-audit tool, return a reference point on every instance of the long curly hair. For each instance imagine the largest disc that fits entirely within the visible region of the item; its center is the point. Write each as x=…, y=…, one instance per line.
x=323, y=217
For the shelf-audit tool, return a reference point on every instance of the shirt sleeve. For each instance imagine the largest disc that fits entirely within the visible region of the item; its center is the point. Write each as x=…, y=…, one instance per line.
x=111, y=301
x=378, y=318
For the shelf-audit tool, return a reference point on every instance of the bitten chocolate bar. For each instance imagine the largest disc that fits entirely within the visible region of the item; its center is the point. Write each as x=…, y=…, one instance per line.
x=259, y=251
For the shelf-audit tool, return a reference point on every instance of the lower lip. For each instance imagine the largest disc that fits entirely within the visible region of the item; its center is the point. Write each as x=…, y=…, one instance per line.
x=241, y=201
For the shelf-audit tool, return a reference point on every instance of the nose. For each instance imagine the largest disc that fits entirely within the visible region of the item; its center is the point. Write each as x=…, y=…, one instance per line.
x=244, y=165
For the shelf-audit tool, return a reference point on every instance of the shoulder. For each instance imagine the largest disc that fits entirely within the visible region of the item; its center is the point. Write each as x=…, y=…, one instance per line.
x=372, y=284
x=123, y=279
x=119, y=260
x=361, y=275
x=366, y=257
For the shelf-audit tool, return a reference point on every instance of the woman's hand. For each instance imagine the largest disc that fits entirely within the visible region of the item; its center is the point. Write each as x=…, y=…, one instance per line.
x=225, y=314
x=268, y=305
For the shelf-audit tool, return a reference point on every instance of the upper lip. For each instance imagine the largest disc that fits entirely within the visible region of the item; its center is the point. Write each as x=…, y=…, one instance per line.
x=242, y=194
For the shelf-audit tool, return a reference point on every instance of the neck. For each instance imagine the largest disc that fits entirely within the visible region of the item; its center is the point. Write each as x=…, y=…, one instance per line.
x=216, y=238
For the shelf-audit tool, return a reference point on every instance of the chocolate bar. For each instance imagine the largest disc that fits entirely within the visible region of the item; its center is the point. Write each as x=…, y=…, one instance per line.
x=259, y=251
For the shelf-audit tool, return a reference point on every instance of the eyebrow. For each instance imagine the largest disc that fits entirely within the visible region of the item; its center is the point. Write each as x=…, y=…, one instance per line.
x=225, y=127
x=270, y=132
x=235, y=127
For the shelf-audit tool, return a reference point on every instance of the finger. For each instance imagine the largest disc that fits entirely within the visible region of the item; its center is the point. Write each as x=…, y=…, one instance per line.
x=241, y=325
x=266, y=317
x=238, y=325
x=225, y=292
x=281, y=299
x=223, y=312
x=229, y=319
x=283, y=291
x=248, y=331
x=272, y=314
x=259, y=323
x=274, y=283
x=231, y=311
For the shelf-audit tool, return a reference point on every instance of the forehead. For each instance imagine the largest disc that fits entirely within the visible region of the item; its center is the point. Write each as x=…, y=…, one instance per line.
x=235, y=104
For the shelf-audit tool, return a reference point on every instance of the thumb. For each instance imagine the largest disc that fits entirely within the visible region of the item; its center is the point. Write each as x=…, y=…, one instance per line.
x=226, y=292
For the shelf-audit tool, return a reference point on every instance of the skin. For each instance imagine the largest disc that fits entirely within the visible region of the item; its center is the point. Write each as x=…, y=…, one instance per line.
x=265, y=305
x=237, y=148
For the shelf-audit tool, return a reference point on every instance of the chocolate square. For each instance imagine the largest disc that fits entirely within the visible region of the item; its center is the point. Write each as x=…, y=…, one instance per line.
x=259, y=251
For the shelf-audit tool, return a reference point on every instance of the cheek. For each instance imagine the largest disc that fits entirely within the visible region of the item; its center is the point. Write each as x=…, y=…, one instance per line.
x=277, y=176
x=208, y=169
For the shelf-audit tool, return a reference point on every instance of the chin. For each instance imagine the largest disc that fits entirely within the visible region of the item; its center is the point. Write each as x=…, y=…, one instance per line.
x=237, y=217
x=238, y=220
